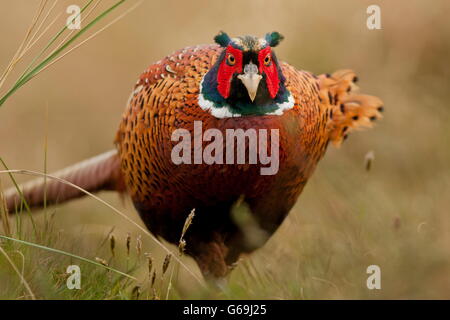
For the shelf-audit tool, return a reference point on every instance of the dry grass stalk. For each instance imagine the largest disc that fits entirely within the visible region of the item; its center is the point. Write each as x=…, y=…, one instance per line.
x=83, y=19
x=34, y=34
x=20, y=274
x=23, y=45
x=90, y=37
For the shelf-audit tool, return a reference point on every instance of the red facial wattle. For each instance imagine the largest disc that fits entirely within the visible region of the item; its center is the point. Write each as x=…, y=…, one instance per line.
x=272, y=79
x=226, y=71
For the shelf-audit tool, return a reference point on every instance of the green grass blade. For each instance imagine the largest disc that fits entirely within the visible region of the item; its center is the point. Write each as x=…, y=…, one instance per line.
x=29, y=75
x=52, y=41
x=22, y=198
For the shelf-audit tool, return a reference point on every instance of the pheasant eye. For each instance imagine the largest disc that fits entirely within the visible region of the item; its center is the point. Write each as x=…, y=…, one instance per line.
x=267, y=60
x=231, y=60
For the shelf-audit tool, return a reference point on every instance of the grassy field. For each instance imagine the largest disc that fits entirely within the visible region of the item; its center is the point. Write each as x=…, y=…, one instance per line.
x=395, y=216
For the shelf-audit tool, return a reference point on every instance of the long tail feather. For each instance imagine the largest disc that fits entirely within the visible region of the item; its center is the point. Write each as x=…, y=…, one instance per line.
x=98, y=173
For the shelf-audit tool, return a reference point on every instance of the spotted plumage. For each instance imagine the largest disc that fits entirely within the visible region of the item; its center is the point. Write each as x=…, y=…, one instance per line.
x=237, y=83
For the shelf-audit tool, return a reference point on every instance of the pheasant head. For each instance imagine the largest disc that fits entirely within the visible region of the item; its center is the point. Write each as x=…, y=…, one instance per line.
x=246, y=78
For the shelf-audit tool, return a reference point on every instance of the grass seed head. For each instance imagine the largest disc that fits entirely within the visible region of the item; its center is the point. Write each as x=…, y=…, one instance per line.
x=112, y=244
x=136, y=292
x=139, y=245
x=155, y=296
x=153, y=279
x=181, y=246
x=166, y=263
x=149, y=263
x=188, y=222
x=101, y=261
x=128, y=242
x=369, y=158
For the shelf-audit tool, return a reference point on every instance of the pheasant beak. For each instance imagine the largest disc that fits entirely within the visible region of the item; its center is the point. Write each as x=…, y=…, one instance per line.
x=250, y=78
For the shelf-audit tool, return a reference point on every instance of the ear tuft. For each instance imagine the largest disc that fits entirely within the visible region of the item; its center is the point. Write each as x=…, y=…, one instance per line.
x=222, y=39
x=273, y=38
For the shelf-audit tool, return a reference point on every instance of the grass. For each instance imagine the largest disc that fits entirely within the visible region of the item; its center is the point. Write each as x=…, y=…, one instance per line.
x=395, y=215
x=322, y=253
x=46, y=265
x=39, y=62
x=156, y=284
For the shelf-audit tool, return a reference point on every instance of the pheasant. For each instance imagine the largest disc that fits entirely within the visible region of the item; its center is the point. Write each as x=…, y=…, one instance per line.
x=234, y=84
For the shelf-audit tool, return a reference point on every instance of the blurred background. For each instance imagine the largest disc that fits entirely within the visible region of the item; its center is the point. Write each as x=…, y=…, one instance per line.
x=395, y=216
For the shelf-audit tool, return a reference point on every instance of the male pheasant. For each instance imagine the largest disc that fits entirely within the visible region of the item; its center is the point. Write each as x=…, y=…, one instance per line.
x=237, y=83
